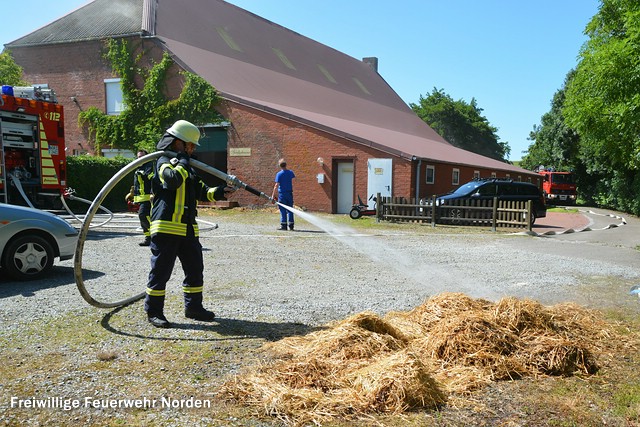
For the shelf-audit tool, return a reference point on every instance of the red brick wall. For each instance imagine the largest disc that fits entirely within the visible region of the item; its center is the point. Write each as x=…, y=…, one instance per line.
x=73, y=70
x=270, y=138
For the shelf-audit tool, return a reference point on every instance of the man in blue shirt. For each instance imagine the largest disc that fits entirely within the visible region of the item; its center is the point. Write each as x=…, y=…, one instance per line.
x=284, y=185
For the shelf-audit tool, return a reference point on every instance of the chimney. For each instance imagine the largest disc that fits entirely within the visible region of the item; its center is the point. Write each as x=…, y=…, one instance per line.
x=372, y=61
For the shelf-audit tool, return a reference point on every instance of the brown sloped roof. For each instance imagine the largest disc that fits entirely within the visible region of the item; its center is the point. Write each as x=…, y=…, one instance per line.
x=256, y=62
x=95, y=20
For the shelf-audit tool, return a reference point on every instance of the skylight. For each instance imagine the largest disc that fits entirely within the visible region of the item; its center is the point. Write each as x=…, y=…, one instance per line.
x=228, y=39
x=361, y=86
x=326, y=73
x=283, y=58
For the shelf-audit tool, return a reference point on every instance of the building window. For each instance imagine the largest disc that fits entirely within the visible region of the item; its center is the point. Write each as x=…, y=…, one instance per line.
x=493, y=174
x=455, y=177
x=431, y=174
x=476, y=174
x=508, y=176
x=113, y=96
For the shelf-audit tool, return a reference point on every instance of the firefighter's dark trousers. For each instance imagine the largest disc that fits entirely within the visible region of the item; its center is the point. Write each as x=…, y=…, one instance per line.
x=144, y=214
x=165, y=248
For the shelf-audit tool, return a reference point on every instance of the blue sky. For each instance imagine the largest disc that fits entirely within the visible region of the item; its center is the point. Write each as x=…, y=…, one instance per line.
x=510, y=55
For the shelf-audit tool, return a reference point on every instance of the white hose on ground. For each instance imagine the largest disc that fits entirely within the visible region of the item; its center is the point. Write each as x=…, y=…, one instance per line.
x=72, y=197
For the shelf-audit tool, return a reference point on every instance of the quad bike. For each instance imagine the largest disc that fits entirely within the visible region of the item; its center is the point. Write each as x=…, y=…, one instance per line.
x=361, y=209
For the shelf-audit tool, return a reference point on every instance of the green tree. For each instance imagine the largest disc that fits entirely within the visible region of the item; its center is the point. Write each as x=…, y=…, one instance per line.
x=10, y=72
x=603, y=104
x=147, y=110
x=554, y=142
x=461, y=124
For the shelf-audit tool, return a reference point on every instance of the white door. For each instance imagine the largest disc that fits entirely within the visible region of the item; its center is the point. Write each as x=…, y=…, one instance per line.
x=345, y=187
x=378, y=179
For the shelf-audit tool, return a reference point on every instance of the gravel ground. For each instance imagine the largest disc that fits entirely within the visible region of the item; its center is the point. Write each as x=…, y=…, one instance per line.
x=325, y=271
x=264, y=284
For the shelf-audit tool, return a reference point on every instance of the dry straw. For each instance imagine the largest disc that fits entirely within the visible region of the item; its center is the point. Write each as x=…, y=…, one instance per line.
x=451, y=344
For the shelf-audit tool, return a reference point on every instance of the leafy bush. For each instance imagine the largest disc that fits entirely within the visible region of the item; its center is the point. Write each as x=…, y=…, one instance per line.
x=87, y=175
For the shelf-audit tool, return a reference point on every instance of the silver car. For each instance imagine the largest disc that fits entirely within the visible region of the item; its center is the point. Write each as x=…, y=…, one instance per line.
x=30, y=239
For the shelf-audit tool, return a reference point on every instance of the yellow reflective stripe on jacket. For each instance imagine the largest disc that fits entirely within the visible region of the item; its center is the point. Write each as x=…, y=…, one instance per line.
x=142, y=198
x=156, y=292
x=181, y=195
x=181, y=191
x=192, y=289
x=170, y=227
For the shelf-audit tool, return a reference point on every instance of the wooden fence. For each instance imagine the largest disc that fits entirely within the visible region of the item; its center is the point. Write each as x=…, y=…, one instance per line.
x=488, y=213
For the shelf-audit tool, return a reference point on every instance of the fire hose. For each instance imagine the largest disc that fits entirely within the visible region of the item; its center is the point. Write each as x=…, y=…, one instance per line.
x=230, y=181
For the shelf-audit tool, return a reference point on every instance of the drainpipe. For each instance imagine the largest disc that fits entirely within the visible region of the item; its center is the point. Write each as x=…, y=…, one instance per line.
x=419, y=167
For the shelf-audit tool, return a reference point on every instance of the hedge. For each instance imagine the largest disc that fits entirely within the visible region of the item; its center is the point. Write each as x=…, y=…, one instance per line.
x=87, y=175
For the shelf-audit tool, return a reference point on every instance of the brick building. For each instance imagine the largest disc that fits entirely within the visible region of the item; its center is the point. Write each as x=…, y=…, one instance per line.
x=340, y=126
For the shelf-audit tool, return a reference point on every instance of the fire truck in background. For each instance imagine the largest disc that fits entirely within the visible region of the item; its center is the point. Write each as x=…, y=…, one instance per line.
x=558, y=187
x=33, y=159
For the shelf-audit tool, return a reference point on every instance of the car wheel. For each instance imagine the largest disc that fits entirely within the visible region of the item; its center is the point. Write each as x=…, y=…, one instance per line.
x=28, y=257
x=355, y=213
x=533, y=218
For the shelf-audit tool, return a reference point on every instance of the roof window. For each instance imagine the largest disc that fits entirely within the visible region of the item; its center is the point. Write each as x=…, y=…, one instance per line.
x=228, y=39
x=283, y=58
x=326, y=73
x=361, y=86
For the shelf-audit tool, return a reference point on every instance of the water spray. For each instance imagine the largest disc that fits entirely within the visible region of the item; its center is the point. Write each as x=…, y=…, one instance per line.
x=230, y=180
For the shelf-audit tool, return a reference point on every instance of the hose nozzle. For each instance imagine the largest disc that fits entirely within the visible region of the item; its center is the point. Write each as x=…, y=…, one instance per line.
x=233, y=181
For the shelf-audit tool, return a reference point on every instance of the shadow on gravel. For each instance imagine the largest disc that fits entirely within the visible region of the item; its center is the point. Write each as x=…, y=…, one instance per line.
x=225, y=329
x=57, y=276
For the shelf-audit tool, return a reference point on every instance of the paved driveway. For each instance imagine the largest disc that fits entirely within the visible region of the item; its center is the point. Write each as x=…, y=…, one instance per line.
x=593, y=225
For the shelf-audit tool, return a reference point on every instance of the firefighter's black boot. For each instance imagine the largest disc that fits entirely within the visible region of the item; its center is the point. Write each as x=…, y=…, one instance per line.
x=291, y=226
x=283, y=226
x=200, y=313
x=158, y=320
x=154, y=306
x=193, y=308
x=146, y=241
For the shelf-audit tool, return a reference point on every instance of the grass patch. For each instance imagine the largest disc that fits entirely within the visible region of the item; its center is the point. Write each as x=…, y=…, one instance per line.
x=117, y=355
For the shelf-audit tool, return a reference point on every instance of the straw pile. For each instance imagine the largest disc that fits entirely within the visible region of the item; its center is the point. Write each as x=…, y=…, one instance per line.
x=451, y=344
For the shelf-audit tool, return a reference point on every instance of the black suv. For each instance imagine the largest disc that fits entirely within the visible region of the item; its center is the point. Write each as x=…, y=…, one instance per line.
x=503, y=189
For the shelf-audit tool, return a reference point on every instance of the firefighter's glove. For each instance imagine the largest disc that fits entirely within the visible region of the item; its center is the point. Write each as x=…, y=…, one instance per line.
x=219, y=193
x=224, y=191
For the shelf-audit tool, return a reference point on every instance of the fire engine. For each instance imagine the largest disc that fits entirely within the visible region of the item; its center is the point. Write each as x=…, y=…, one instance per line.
x=32, y=148
x=558, y=187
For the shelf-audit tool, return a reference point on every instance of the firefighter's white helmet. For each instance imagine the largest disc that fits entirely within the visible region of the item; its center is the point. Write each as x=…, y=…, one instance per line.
x=185, y=131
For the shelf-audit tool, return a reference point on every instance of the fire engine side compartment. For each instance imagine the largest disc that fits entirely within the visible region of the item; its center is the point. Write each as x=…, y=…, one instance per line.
x=33, y=151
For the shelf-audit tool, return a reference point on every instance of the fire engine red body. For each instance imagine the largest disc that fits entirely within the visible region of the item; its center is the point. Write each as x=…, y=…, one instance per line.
x=558, y=187
x=33, y=162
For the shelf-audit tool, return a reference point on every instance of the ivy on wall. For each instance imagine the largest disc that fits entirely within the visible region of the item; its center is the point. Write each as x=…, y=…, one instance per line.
x=147, y=111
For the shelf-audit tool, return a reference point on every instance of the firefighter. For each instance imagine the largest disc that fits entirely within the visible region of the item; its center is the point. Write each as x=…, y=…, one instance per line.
x=174, y=231
x=142, y=195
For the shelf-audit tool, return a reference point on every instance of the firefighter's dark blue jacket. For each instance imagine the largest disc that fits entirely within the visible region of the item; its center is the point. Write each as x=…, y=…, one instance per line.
x=176, y=191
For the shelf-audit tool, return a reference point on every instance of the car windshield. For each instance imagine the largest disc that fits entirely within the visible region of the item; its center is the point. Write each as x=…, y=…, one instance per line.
x=467, y=188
